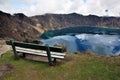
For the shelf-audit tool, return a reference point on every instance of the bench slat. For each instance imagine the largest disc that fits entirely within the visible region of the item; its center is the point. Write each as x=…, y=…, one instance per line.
x=40, y=51
x=41, y=54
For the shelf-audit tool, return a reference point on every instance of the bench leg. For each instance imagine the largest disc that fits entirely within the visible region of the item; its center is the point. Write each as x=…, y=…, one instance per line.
x=49, y=56
x=52, y=63
x=24, y=55
x=14, y=50
x=54, y=60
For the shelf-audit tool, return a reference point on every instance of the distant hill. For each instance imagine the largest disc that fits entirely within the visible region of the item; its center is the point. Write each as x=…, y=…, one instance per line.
x=22, y=27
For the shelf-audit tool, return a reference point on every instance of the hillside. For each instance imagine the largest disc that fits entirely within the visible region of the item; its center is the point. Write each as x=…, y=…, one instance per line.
x=16, y=26
x=22, y=27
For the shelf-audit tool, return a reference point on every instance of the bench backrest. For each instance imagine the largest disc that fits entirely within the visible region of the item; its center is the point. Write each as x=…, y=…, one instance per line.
x=33, y=46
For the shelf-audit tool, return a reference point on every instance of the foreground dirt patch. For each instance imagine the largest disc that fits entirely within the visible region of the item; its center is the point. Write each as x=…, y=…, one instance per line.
x=7, y=68
x=4, y=48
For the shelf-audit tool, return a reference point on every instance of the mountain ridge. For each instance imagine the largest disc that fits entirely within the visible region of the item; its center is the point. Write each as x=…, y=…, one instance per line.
x=74, y=19
x=22, y=27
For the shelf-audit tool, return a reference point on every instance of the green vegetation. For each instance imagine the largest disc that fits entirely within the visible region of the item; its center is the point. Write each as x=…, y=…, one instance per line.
x=76, y=67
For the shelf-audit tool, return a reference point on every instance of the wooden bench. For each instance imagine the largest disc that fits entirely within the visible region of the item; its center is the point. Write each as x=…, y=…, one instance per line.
x=52, y=53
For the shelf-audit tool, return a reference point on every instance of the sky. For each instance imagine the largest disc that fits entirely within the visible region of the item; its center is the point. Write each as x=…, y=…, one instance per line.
x=40, y=7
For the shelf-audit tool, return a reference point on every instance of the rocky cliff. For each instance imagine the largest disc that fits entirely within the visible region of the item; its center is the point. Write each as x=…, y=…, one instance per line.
x=17, y=27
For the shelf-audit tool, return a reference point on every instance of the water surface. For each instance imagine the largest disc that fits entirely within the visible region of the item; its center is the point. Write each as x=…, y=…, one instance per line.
x=99, y=44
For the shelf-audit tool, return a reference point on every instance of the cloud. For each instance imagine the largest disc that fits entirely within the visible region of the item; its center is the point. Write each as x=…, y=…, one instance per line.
x=38, y=7
x=3, y=1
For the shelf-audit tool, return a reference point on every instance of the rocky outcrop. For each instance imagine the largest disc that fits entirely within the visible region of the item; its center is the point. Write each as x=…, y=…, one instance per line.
x=16, y=26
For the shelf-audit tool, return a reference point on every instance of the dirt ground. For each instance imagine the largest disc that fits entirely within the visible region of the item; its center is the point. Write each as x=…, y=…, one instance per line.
x=3, y=47
x=4, y=69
